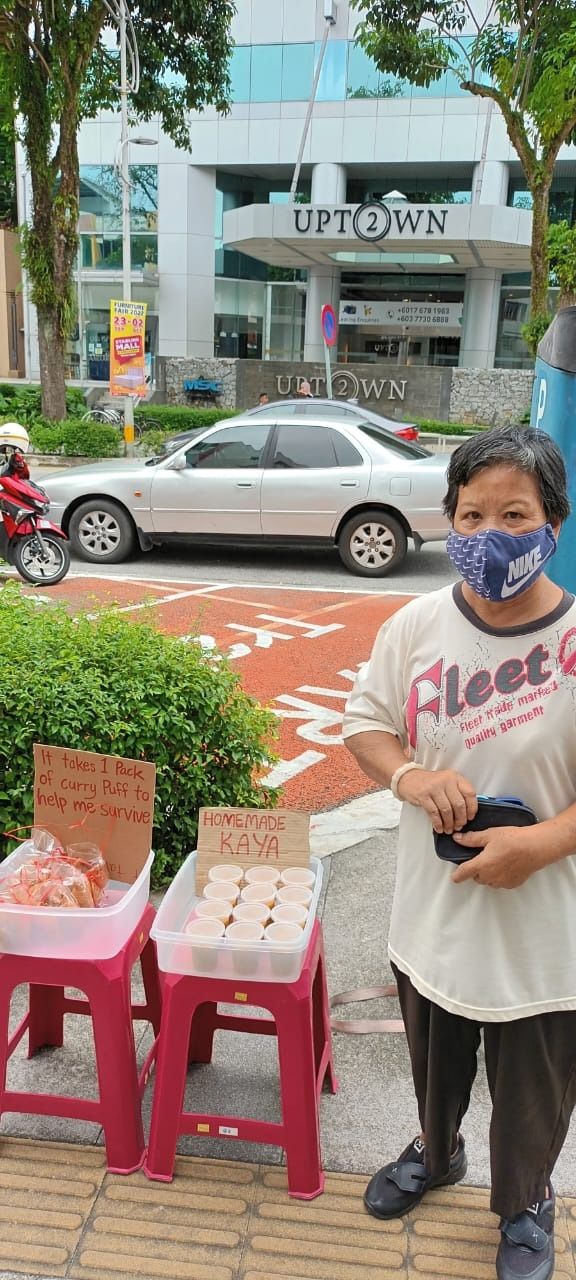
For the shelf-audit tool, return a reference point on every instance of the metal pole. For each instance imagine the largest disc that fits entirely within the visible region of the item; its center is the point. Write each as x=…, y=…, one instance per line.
x=296, y=177
x=125, y=178
x=328, y=371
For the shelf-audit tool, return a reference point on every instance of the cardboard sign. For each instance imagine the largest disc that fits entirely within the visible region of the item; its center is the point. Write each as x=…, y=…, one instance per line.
x=81, y=796
x=250, y=836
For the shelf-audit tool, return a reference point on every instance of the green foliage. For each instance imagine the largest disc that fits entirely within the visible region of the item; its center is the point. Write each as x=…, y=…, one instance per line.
x=179, y=418
x=522, y=56
x=116, y=686
x=533, y=331
x=8, y=204
x=562, y=248
x=24, y=404
x=76, y=439
x=434, y=426
x=59, y=66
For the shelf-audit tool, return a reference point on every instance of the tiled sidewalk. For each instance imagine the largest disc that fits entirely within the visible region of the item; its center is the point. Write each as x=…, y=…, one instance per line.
x=61, y=1215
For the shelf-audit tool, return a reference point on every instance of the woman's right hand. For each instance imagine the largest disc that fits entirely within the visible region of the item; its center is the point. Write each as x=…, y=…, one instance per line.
x=448, y=797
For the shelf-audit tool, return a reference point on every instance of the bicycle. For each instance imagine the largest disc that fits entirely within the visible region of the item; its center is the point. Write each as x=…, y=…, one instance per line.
x=115, y=418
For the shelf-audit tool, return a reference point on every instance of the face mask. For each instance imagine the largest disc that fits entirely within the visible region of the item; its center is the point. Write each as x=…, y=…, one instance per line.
x=499, y=566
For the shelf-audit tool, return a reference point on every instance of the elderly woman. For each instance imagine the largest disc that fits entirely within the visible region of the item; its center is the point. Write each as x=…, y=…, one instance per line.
x=471, y=691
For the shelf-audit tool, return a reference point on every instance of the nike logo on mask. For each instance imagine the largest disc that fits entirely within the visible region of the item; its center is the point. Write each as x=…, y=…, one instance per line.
x=520, y=571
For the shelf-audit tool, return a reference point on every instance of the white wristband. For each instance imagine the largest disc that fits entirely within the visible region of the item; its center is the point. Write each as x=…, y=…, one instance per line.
x=395, y=779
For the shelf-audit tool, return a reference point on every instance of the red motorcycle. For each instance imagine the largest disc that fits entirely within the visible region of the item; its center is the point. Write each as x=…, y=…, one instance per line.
x=37, y=547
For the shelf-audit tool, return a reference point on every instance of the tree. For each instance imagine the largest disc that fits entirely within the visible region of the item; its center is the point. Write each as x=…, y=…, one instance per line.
x=59, y=65
x=562, y=250
x=522, y=55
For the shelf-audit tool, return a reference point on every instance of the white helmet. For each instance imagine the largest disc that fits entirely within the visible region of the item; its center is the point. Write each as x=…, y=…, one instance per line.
x=14, y=435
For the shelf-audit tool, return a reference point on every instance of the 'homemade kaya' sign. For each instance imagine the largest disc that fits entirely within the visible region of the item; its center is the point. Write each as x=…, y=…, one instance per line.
x=250, y=836
x=108, y=801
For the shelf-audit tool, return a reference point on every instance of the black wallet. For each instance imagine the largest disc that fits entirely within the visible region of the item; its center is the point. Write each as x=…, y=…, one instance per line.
x=493, y=811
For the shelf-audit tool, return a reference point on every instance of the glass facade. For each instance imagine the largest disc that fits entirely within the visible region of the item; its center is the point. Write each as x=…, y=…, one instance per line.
x=392, y=343
x=562, y=196
x=100, y=220
x=440, y=189
x=100, y=250
x=285, y=73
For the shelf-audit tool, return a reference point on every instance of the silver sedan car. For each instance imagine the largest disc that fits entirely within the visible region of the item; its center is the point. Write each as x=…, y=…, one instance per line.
x=279, y=481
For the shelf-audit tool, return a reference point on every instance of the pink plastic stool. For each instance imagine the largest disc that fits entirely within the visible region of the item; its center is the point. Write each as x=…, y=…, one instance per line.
x=106, y=984
x=301, y=1021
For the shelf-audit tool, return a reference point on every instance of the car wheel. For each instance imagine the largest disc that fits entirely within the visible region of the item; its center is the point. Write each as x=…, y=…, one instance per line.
x=101, y=531
x=372, y=543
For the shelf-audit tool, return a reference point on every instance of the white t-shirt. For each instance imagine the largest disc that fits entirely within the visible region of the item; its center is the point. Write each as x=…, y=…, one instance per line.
x=500, y=708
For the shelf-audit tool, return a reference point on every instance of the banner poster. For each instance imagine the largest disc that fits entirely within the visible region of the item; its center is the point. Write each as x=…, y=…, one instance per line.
x=127, y=355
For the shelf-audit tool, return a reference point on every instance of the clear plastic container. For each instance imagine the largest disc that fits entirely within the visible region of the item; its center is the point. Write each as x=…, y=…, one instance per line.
x=224, y=957
x=85, y=933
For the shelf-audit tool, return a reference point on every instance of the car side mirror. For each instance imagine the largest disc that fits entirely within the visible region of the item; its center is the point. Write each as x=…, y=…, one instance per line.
x=178, y=463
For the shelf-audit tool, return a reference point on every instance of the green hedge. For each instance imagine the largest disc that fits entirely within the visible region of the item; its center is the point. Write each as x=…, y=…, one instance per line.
x=121, y=687
x=24, y=403
x=176, y=418
x=74, y=439
x=432, y=425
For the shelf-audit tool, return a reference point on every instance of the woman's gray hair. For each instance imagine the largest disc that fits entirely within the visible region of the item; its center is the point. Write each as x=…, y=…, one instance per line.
x=522, y=447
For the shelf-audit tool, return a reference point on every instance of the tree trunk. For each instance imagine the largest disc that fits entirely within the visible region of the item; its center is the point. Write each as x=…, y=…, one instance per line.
x=51, y=347
x=539, y=253
x=566, y=299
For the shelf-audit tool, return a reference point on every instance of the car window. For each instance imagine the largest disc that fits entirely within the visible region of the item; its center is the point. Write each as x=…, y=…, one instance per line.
x=269, y=410
x=403, y=448
x=314, y=408
x=303, y=447
x=239, y=446
x=346, y=454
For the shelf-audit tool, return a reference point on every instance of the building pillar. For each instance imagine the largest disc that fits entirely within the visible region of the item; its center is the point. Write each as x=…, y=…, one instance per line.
x=480, y=323
x=490, y=182
x=328, y=188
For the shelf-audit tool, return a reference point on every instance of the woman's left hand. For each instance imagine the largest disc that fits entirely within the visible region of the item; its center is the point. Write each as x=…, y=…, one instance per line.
x=507, y=859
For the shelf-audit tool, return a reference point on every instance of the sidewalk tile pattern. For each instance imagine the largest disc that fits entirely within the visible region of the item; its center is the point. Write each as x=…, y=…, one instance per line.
x=61, y=1215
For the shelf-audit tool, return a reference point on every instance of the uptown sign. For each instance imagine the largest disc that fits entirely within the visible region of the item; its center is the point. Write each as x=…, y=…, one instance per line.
x=346, y=386
x=371, y=221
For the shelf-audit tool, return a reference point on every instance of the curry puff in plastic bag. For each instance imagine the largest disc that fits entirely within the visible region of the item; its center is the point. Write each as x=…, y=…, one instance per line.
x=53, y=876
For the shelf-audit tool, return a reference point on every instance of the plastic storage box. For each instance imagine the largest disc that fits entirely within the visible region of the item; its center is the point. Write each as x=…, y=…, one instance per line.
x=222, y=957
x=88, y=933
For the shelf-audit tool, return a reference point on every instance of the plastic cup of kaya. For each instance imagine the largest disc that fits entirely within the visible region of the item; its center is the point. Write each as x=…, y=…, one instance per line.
x=294, y=894
x=222, y=889
x=214, y=909
x=205, y=932
x=227, y=872
x=290, y=913
x=281, y=937
x=246, y=936
x=302, y=876
x=262, y=893
x=265, y=874
x=255, y=912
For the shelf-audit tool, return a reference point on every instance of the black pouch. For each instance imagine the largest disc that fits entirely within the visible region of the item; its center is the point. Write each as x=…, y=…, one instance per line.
x=504, y=811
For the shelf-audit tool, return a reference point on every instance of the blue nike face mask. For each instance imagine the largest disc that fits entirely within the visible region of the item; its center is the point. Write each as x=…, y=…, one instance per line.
x=499, y=566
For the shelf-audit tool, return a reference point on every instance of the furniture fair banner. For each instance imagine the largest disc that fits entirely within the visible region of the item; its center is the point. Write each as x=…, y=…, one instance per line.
x=127, y=356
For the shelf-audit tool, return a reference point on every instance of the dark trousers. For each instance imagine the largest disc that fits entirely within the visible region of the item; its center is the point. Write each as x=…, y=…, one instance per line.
x=531, y=1071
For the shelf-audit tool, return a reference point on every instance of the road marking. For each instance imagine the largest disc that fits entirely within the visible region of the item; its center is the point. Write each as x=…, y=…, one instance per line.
x=246, y=586
x=287, y=769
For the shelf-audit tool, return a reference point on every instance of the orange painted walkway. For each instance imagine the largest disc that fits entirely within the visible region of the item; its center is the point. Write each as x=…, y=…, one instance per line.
x=297, y=650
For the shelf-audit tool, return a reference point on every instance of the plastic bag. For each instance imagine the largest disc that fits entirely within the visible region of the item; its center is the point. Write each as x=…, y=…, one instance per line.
x=52, y=876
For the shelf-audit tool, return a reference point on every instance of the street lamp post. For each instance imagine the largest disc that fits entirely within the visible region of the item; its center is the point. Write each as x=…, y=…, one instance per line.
x=125, y=176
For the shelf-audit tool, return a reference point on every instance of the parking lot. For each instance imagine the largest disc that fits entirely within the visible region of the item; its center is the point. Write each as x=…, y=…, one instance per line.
x=297, y=649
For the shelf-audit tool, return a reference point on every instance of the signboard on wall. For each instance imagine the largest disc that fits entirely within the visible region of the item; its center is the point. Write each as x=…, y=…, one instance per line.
x=410, y=315
x=127, y=356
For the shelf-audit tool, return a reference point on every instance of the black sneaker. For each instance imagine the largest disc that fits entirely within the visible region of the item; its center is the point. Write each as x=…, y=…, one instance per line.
x=400, y=1186
x=526, y=1249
